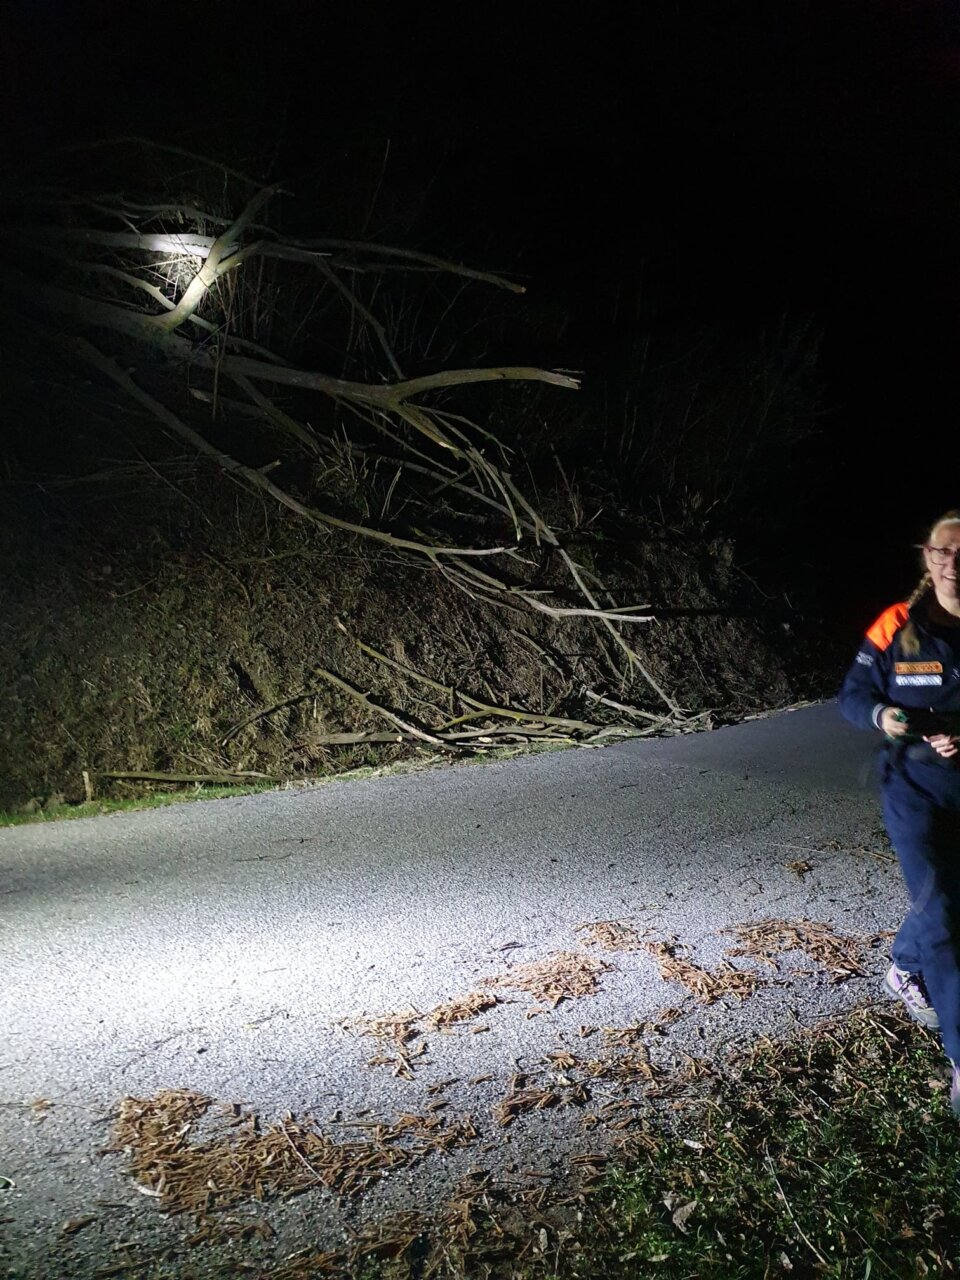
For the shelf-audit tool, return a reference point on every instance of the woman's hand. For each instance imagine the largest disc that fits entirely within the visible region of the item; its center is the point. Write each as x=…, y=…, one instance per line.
x=945, y=744
x=893, y=722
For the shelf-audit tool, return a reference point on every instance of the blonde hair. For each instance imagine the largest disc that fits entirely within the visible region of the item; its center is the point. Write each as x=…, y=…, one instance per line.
x=909, y=640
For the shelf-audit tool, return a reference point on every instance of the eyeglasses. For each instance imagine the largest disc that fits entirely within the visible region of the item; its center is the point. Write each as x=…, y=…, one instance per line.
x=941, y=555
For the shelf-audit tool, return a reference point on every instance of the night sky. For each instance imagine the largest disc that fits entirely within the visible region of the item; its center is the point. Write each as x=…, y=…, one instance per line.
x=711, y=164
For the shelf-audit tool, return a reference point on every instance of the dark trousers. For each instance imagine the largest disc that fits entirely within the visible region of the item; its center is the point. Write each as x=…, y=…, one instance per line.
x=921, y=808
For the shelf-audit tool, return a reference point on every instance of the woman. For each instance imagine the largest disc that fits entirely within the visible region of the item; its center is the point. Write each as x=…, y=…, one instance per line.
x=905, y=682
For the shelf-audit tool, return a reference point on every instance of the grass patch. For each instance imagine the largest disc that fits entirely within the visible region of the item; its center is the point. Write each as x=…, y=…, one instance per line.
x=148, y=800
x=207, y=791
x=833, y=1155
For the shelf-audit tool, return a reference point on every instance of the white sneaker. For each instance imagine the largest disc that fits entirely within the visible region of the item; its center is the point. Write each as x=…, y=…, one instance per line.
x=908, y=987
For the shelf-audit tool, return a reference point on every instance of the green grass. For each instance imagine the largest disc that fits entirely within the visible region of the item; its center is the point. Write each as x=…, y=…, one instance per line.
x=148, y=800
x=832, y=1158
x=157, y=799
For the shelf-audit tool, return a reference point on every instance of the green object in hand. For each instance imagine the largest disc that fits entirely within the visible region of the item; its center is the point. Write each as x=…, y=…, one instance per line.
x=901, y=718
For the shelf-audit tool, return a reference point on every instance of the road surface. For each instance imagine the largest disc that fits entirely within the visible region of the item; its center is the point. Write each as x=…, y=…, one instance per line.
x=221, y=947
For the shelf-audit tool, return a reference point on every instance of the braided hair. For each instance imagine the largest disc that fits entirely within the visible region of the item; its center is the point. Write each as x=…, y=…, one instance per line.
x=909, y=640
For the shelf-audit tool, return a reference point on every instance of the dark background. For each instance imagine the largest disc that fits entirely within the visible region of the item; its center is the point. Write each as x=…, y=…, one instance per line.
x=709, y=165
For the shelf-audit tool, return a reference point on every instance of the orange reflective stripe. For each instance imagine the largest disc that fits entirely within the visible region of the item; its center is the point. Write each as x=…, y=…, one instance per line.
x=887, y=625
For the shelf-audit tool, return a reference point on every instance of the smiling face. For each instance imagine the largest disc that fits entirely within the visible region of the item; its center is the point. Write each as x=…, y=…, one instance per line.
x=941, y=555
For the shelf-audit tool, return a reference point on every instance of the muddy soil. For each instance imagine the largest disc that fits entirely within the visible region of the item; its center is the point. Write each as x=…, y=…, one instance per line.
x=175, y=627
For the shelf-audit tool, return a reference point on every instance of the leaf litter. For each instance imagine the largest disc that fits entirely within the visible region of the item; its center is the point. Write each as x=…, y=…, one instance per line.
x=705, y=985
x=841, y=955
x=610, y=935
x=247, y=1160
x=187, y=1174
x=398, y=1030
x=563, y=975
x=523, y=1096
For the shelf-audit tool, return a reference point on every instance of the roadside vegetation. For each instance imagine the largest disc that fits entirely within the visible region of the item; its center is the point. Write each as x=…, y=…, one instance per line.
x=59, y=811
x=831, y=1155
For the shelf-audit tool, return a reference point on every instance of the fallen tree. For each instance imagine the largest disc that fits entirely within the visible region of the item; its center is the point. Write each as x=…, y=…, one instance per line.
x=206, y=318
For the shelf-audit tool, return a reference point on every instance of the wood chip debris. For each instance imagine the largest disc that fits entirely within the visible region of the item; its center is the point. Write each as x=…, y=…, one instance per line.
x=391, y=1239
x=591, y=1163
x=486, y=1220
x=800, y=867
x=398, y=1030
x=402, y=1063
x=627, y=1037
x=610, y=935
x=840, y=954
x=619, y=1115
x=561, y=1059
x=438, y=1086
x=707, y=986
x=461, y=1009
x=563, y=975
x=187, y=1174
x=521, y=1096
x=186, y=1171
x=485, y=1223
x=631, y=1068
x=71, y=1227
x=307, y=1264
x=225, y=1230
x=397, y=1027
x=678, y=1083
x=882, y=854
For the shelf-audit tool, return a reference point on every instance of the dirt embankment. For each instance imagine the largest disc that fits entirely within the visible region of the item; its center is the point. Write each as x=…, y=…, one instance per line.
x=190, y=642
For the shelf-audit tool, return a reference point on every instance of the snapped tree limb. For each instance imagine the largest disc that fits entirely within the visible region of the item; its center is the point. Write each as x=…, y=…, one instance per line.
x=433, y=441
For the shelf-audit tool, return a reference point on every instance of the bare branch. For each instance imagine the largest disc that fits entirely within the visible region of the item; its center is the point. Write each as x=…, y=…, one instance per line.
x=480, y=708
x=277, y=416
x=364, y=312
x=256, y=479
x=452, y=449
x=185, y=244
x=404, y=725
x=219, y=260
x=389, y=395
x=402, y=255
x=606, y=619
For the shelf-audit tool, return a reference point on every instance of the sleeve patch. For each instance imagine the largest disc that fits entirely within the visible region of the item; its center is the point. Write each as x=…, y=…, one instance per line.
x=865, y=659
x=887, y=625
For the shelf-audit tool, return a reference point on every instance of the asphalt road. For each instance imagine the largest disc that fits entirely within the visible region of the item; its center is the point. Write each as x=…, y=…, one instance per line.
x=218, y=946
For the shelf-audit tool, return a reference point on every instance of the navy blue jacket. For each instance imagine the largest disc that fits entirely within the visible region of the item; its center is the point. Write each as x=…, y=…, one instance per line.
x=882, y=675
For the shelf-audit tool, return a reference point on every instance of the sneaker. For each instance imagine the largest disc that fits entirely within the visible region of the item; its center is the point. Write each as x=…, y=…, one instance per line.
x=955, y=1090
x=904, y=986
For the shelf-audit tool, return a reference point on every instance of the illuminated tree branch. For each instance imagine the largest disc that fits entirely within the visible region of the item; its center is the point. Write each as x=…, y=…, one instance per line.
x=209, y=271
